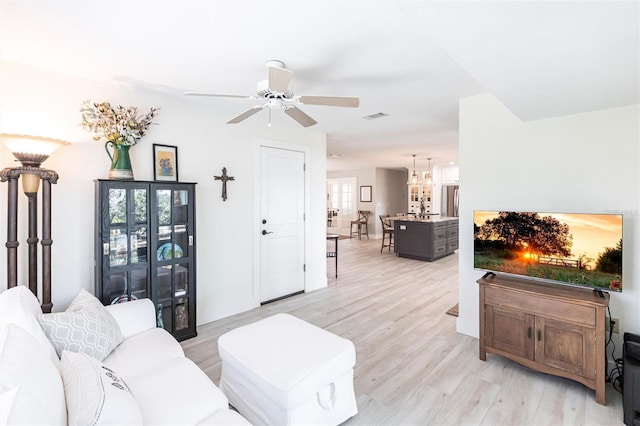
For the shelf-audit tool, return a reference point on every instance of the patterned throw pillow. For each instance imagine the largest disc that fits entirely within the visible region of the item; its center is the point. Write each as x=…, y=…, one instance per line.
x=86, y=326
x=95, y=394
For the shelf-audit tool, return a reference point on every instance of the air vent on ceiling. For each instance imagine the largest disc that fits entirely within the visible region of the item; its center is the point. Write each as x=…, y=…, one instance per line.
x=376, y=115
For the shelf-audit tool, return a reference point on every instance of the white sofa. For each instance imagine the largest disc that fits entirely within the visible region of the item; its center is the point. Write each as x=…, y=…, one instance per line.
x=152, y=381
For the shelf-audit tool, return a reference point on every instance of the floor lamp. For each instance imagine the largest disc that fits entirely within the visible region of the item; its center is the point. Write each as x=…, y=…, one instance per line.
x=31, y=152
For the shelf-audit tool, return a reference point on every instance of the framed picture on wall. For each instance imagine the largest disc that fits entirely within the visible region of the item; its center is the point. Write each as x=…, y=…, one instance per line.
x=165, y=162
x=365, y=194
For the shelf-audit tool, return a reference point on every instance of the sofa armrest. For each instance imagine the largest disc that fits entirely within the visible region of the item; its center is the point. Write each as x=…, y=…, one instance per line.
x=134, y=317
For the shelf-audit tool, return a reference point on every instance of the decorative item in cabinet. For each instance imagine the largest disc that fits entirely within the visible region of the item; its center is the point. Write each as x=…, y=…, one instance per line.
x=145, y=248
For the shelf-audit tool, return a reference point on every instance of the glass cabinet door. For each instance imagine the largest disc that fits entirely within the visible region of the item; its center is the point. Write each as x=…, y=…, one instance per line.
x=173, y=226
x=124, y=229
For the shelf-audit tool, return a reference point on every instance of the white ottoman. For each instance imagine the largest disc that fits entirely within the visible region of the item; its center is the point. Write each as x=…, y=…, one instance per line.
x=284, y=371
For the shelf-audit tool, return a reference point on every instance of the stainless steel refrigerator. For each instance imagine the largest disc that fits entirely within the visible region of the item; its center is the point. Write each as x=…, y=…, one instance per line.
x=449, y=206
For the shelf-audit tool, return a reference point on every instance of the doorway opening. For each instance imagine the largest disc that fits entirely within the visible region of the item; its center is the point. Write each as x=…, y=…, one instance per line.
x=341, y=205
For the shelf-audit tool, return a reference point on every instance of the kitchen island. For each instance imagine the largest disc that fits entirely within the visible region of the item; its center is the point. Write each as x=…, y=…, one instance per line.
x=427, y=238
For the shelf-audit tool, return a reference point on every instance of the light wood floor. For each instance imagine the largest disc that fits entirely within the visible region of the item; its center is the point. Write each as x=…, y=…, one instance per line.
x=412, y=367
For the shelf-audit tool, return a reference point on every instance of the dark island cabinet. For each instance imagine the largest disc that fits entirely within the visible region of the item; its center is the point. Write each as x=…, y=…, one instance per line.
x=425, y=239
x=145, y=248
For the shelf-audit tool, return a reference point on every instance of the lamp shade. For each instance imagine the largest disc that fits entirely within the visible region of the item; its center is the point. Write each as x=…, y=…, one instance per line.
x=31, y=150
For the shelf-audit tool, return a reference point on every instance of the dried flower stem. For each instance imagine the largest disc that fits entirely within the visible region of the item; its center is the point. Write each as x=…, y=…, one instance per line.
x=119, y=125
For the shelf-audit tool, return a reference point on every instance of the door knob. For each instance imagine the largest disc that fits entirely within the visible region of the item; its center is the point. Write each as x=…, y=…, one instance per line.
x=265, y=232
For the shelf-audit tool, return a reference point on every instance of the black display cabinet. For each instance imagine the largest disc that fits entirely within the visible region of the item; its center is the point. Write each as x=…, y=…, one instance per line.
x=145, y=248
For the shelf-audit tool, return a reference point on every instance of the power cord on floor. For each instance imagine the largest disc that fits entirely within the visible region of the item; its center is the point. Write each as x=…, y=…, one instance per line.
x=615, y=376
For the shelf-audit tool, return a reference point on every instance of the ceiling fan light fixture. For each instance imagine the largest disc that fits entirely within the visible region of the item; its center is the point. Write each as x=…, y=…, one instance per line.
x=277, y=90
x=264, y=91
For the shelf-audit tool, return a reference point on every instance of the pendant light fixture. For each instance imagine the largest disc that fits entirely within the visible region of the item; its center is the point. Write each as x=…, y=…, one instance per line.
x=414, y=179
x=427, y=177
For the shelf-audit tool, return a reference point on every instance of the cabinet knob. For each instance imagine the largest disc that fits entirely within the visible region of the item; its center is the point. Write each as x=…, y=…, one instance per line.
x=105, y=249
x=539, y=335
x=529, y=332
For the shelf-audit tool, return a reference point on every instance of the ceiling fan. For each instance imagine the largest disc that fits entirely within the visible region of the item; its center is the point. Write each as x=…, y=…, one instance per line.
x=277, y=91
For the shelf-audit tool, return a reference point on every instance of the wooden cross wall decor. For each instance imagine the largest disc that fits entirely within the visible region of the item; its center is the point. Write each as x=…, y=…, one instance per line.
x=224, y=178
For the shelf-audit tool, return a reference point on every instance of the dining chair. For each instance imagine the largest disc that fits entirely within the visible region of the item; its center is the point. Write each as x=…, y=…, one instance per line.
x=361, y=224
x=387, y=229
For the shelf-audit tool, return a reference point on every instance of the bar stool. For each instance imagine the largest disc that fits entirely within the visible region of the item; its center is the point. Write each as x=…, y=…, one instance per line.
x=361, y=224
x=387, y=229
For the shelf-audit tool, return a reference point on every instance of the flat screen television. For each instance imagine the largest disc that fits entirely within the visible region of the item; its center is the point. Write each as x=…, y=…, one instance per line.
x=579, y=249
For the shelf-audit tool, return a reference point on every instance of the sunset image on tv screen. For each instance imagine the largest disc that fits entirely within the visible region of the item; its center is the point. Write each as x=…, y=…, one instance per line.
x=575, y=248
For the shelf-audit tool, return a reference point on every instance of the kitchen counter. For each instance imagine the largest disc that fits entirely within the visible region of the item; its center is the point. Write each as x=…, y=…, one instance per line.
x=429, y=238
x=426, y=218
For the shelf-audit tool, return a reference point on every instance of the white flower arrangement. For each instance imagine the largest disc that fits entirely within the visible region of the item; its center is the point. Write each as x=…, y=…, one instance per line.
x=119, y=125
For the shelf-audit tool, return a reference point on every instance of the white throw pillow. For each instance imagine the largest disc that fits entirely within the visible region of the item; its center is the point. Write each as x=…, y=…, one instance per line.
x=86, y=326
x=24, y=366
x=18, y=305
x=95, y=394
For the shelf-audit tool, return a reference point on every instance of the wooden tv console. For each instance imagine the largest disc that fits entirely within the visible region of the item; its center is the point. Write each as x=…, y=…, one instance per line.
x=557, y=330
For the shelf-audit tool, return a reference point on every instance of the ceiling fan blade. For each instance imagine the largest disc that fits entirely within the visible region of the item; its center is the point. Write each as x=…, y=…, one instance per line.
x=217, y=95
x=279, y=79
x=341, y=101
x=298, y=115
x=248, y=113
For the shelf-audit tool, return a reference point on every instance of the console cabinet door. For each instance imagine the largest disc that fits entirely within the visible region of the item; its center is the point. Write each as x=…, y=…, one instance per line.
x=566, y=346
x=510, y=331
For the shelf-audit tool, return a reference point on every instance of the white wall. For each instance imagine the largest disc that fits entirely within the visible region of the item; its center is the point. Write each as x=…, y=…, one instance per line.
x=363, y=177
x=391, y=194
x=577, y=163
x=38, y=102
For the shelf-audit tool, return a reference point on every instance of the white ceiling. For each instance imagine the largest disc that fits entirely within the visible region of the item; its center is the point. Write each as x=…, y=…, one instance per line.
x=410, y=59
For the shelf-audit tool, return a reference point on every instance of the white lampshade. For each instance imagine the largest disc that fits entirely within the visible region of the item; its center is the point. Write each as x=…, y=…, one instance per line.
x=31, y=150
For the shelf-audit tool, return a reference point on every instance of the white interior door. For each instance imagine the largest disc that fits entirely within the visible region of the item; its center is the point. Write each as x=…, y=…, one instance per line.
x=282, y=218
x=341, y=205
